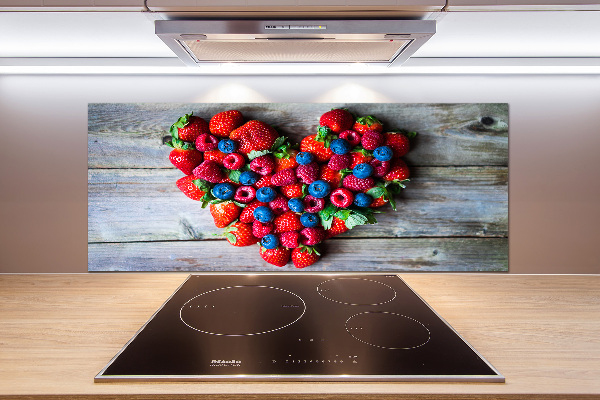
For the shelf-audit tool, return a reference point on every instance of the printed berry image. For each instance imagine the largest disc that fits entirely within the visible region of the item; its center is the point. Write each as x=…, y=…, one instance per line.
x=262, y=188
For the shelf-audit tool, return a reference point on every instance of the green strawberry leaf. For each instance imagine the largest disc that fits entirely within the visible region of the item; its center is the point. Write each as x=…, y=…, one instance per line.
x=231, y=237
x=234, y=175
x=326, y=223
x=376, y=192
x=343, y=214
x=279, y=142
x=237, y=203
x=328, y=211
x=410, y=135
x=355, y=219
x=203, y=185
x=392, y=202
x=322, y=133
x=181, y=122
x=254, y=154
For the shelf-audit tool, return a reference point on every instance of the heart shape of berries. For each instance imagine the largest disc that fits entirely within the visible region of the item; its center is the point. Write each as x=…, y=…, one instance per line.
x=262, y=188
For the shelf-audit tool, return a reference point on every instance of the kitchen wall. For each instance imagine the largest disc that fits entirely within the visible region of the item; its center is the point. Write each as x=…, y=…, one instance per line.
x=554, y=190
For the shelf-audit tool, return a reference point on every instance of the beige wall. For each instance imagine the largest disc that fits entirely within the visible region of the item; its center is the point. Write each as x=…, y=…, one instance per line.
x=554, y=188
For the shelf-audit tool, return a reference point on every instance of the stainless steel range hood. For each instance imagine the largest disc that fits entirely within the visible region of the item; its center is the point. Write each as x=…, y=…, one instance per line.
x=386, y=42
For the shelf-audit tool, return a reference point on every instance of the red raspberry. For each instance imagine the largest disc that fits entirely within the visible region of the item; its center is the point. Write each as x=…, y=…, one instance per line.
x=341, y=197
x=245, y=194
x=312, y=236
x=290, y=239
x=234, y=161
x=209, y=171
x=263, y=165
x=260, y=229
x=351, y=136
x=206, y=142
x=371, y=140
x=284, y=177
x=308, y=173
x=312, y=204
x=338, y=162
x=356, y=184
x=380, y=168
x=279, y=205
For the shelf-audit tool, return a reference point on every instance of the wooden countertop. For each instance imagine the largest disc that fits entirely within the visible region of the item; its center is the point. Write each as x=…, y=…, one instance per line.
x=541, y=332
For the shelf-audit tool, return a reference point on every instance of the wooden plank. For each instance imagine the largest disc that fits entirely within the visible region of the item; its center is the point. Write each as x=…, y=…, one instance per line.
x=145, y=205
x=130, y=135
x=340, y=254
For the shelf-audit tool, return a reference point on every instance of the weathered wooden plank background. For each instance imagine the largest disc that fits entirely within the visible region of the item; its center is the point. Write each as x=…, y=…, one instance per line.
x=453, y=216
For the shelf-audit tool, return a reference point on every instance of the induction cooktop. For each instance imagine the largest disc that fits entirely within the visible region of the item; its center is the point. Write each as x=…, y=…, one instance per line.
x=297, y=327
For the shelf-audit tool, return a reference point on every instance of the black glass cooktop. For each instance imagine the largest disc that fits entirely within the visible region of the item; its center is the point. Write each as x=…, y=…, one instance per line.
x=297, y=327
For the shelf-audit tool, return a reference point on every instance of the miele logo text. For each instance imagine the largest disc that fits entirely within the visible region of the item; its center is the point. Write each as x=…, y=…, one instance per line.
x=225, y=363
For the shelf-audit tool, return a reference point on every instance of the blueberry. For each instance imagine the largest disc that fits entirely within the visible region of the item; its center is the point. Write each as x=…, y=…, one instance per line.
x=383, y=153
x=265, y=194
x=227, y=146
x=269, y=241
x=362, y=171
x=223, y=191
x=296, y=205
x=319, y=189
x=362, y=200
x=248, y=178
x=304, y=158
x=309, y=220
x=340, y=146
x=263, y=214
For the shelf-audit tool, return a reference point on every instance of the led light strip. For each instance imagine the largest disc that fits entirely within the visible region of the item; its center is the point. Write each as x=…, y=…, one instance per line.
x=414, y=66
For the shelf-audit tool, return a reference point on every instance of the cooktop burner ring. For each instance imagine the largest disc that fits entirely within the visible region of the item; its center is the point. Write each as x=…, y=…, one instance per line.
x=390, y=293
x=420, y=342
x=291, y=307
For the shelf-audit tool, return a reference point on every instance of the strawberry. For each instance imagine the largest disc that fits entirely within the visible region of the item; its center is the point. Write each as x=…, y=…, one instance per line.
x=285, y=161
x=184, y=156
x=188, y=128
x=368, y=123
x=278, y=256
x=304, y=256
x=398, y=171
x=378, y=202
x=286, y=222
x=399, y=142
x=338, y=226
x=360, y=157
x=293, y=190
x=310, y=145
x=215, y=155
x=334, y=178
x=337, y=120
x=186, y=185
x=284, y=177
x=223, y=123
x=209, y=171
x=357, y=184
x=240, y=234
x=247, y=214
x=254, y=135
x=312, y=236
x=224, y=213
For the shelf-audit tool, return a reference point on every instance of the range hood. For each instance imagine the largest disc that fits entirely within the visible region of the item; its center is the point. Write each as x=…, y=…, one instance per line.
x=382, y=42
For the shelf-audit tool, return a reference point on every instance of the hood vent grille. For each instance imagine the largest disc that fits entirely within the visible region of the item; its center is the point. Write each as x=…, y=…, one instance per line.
x=389, y=42
x=295, y=50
